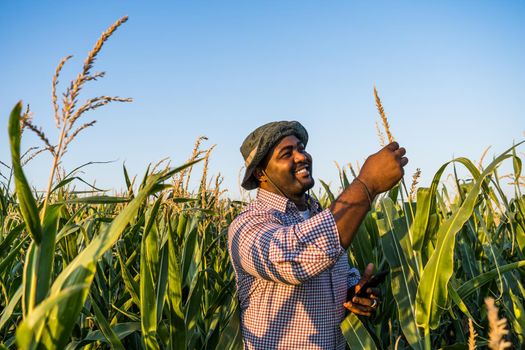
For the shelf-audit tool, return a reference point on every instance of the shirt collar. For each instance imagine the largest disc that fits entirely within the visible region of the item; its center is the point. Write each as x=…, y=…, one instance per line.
x=281, y=203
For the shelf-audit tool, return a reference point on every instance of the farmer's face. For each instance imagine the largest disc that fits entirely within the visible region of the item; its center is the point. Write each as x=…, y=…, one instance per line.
x=288, y=166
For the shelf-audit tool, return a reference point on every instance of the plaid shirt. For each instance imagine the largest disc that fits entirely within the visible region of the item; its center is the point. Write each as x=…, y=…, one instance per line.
x=292, y=275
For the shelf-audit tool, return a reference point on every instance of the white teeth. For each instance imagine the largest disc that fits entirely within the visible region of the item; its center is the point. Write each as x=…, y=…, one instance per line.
x=303, y=171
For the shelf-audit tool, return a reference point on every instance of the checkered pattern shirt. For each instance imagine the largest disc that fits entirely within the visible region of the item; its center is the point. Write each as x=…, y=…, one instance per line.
x=292, y=275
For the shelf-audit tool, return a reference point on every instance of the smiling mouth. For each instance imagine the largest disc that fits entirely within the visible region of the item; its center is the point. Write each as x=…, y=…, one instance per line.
x=303, y=172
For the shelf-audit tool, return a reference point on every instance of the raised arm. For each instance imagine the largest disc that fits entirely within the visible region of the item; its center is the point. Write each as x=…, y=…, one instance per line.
x=380, y=172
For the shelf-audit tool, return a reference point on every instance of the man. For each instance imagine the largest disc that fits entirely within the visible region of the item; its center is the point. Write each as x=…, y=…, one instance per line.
x=289, y=254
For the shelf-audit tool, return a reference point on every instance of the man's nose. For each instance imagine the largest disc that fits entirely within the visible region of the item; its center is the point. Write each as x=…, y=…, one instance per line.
x=300, y=157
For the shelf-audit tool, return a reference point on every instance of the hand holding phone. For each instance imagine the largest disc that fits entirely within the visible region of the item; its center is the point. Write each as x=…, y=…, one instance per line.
x=373, y=282
x=368, y=295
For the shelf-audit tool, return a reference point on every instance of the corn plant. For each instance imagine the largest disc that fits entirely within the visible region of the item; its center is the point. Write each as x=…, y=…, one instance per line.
x=127, y=271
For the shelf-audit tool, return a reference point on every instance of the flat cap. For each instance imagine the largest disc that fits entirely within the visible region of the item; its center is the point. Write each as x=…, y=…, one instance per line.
x=260, y=141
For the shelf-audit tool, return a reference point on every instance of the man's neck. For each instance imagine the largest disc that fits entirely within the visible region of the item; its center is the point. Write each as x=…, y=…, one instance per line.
x=299, y=201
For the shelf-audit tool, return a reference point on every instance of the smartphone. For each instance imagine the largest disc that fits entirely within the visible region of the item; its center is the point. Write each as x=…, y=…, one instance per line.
x=373, y=282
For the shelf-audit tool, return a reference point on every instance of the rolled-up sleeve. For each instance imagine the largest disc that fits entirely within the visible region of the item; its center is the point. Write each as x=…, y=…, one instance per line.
x=353, y=277
x=262, y=246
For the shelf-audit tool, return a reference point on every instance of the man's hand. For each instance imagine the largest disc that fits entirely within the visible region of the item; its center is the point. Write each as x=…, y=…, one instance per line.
x=364, y=306
x=383, y=170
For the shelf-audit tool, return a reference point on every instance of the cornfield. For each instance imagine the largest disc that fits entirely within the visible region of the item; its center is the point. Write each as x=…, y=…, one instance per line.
x=149, y=268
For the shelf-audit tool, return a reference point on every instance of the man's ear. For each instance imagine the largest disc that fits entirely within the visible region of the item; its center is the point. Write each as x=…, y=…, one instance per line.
x=259, y=174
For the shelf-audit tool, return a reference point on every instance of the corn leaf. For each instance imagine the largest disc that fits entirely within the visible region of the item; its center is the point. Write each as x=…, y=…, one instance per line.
x=432, y=294
x=11, y=305
x=397, y=251
x=28, y=329
x=177, y=331
x=149, y=260
x=231, y=338
x=27, y=203
x=356, y=335
x=477, y=282
x=109, y=334
x=121, y=330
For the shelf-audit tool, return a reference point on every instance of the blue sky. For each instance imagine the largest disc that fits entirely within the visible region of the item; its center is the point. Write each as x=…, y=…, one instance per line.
x=450, y=73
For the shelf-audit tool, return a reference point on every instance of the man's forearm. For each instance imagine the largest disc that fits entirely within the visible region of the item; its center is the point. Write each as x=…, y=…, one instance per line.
x=380, y=172
x=350, y=209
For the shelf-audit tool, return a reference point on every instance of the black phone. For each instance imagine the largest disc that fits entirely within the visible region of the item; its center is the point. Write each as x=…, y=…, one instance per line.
x=373, y=282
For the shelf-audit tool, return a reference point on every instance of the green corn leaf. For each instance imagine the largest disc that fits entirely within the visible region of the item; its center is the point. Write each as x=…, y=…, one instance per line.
x=517, y=316
x=191, y=252
x=149, y=260
x=150, y=220
x=98, y=200
x=182, y=222
x=131, y=286
x=331, y=196
x=11, y=305
x=15, y=252
x=459, y=302
x=212, y=337
x=29, y=280
x=39, y=263
x=218, y=299
x=63, y=183
x=520, y=236
x=231, y=337
x=468, y=255
x=10, y=238
x=477, y=282
x=177, y=337
x=109, y=334
x=61, y=318
x=37, y=269
x=146, y=175
x=129, y=184
x=394, y=192
x=344, y=181
x=516, y=163
x=419, y=225
x=131, y=316
x=121, y=330
x=69, y=177
x=45, y=252
x=361, y=248
x=162, y=281
x=432, y=294
x=183, y=200
x=27, y=331
x=356, y=334
x=193, y=304
x=397, y=251
x=27, y=203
